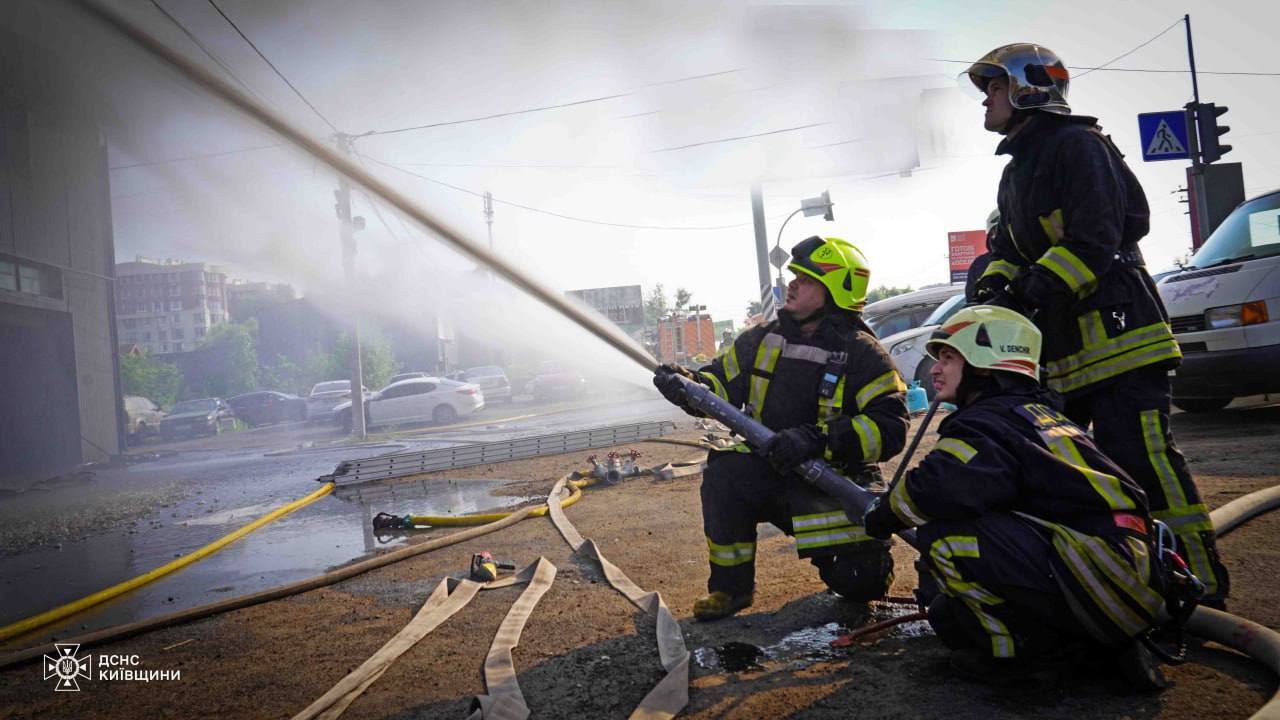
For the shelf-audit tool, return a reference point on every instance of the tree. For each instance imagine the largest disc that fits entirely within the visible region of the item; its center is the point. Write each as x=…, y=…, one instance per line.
x=140, y=374
x=230, y=359
x=754, y=308
x=682, y=299
x=884, y=291
x=655, y=306
x=377, y=361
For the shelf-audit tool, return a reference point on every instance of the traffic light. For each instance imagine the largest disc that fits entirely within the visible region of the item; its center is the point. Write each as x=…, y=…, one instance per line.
x=1208, y=131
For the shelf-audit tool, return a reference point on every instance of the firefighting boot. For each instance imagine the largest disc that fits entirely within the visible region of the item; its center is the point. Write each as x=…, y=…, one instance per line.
x=718, y=605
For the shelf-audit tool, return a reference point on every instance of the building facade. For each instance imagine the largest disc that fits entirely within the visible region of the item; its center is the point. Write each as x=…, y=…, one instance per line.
x=60, y=400
x=168, y=306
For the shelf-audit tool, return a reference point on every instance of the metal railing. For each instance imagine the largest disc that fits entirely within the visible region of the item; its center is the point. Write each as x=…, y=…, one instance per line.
x=384, y=467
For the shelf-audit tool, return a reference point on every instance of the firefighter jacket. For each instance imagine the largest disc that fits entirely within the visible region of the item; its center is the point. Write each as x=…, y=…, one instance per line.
x=838, y=378
x=1071, y=215
x=1016, y=453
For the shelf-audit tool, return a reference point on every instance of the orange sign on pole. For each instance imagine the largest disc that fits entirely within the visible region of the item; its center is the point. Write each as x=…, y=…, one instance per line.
x=962, y=247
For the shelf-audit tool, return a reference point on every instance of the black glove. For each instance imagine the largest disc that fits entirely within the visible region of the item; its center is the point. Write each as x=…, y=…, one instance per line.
x=788, y=448
x=1039, y=289
x=879, y=521
x=667, y=379
x=990, y=287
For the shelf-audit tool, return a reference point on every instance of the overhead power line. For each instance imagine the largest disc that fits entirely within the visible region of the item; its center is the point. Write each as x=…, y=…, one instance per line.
x=275, y=69
x=739, y=137
x=1141, y=70
x=194, y=157
x=1134, y=50
x=562, y=216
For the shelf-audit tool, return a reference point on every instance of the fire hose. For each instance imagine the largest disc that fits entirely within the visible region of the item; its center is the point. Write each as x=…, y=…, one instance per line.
x=852, y=498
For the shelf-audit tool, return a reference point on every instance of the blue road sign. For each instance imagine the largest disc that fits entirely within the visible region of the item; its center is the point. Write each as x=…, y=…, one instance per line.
x=1164, y=135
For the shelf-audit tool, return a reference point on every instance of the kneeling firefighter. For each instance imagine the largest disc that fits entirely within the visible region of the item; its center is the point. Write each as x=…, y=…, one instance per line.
x=818, y=377
x=1031, y=538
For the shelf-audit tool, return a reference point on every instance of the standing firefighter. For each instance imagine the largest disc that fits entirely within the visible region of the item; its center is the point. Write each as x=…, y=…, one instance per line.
x=1066, y=254
x=820, y=379
x=1033, y=537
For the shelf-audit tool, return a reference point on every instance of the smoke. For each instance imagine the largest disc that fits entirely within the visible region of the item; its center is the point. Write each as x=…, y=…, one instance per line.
x=672, y=99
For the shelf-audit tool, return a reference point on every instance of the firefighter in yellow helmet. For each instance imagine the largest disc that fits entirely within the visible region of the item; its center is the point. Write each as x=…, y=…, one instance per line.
x=818, y=377
x=1066, y=254
x=1030, y=537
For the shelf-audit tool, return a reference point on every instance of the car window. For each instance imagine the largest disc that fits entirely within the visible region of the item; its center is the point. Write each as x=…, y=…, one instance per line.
x=484, y=371
x=945, y=310
x=194, y=406
x=1250, y=231
x=331, y=386
x=891, y=324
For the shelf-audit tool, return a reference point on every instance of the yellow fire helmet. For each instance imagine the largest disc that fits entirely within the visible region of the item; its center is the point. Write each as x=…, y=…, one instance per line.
x=1037, y=77
x=838, y=265
x=993, y=338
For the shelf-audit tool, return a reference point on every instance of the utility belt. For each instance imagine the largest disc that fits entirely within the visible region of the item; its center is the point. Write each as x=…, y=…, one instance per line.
x=1130, y=256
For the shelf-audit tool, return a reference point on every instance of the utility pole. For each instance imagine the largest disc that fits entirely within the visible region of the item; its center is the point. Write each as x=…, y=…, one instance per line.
x=762, y=253
x=346, y=229
x=488, y=218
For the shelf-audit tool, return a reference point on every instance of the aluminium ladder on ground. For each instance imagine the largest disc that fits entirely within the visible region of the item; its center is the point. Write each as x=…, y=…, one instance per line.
x=397, y=465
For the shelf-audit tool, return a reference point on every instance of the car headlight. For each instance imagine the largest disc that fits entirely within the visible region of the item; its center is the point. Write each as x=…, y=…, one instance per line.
x=900, y=348
x=1227, y=316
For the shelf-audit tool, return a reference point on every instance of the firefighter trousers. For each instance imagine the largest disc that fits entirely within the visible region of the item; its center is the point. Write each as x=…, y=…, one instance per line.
x=740, y=490
x=1004, y=590
x=1131, y=425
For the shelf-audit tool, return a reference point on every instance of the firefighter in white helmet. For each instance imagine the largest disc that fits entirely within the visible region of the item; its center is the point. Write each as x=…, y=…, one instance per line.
x=1030, y=536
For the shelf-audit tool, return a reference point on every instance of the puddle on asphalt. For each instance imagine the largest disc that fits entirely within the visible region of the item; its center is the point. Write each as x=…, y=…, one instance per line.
x=805, y=646
x=325, y=534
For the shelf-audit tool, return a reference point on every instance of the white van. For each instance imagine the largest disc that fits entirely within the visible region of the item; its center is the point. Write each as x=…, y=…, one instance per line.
x=1225, y=310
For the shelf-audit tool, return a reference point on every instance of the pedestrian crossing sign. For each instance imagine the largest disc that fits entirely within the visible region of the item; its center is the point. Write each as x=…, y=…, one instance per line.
x=1164, y=135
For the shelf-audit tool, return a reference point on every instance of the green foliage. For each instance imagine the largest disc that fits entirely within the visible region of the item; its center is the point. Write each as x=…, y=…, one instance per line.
x=884, y=291
x=284, y=375
x=655, y=305
x=754, y=308
x=231, y=359
x=682, y=299
x=377, y=362
x=150, y=378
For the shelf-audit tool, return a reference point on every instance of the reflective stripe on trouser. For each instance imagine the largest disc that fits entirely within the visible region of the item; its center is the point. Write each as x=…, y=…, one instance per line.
x=993, y=562
x=739, y=489
x=1131, y=425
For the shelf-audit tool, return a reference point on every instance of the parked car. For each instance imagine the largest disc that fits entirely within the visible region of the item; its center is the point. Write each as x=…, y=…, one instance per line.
x=491, y=379
x=556, y=381
x=1224, y=308
x=324, y=396
x=416, y=400
x=192, y=418
x=907, y=348
x=908, y=310
x=268, y=406
x=407, y=376
x=144, y=417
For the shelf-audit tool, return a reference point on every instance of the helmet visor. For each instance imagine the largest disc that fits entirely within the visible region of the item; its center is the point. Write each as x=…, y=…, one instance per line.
x=973, y=81
x=800, y=257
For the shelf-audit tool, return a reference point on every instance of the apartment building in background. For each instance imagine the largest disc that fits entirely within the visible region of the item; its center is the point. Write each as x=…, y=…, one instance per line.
x=168, y=306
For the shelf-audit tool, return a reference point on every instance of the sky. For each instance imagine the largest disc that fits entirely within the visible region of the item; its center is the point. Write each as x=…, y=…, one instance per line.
x=620, y=139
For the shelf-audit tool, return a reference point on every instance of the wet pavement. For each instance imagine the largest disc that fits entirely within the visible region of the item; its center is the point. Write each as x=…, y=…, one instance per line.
x=808, y=645
x=212, y=492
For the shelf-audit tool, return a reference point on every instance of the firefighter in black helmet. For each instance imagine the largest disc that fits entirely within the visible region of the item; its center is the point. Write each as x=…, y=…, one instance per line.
x=820, y=379
x=1066, y=254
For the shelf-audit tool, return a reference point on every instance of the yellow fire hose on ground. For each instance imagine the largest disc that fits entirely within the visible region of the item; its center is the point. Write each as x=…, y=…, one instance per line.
x=48, y=617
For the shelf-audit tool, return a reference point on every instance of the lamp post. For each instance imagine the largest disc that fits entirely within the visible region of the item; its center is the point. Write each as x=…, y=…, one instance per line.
x=820, y=205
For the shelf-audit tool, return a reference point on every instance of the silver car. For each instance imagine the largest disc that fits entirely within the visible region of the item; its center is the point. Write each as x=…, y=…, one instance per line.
x=325, y=395
x=491, y=379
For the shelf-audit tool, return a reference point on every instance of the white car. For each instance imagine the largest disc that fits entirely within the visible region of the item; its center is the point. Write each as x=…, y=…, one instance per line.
x=416, y=400
x=908, y=310
x=907, y=348
x=1225, y=310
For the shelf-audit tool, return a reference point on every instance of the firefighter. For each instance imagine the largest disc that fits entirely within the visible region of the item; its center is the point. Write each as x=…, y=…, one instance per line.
x=818, y=377
x=1066, y=254
x=1032, y=538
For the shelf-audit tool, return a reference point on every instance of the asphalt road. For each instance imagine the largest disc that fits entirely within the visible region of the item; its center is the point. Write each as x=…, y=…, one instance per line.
x=177, y=497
